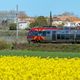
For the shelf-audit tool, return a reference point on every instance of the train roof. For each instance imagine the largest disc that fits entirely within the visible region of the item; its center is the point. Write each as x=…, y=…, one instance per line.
x=45, y=28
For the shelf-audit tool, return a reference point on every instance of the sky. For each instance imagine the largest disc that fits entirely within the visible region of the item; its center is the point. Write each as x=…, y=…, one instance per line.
x=42, y=7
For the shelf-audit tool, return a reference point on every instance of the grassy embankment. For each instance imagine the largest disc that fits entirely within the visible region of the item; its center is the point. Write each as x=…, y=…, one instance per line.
x=43, y=50
x=38, y=53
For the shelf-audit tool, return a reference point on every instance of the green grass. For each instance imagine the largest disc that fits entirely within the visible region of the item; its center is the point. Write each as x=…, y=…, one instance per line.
x=39, y=53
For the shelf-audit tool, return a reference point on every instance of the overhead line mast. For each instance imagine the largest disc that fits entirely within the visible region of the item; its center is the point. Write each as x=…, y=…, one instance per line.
x=17, y=29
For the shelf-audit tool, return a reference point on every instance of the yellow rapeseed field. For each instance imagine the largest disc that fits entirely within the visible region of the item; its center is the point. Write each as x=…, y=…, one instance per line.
x=37, y=68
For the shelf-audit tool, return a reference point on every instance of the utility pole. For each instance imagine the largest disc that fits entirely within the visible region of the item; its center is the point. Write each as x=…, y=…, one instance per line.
x=17, y=29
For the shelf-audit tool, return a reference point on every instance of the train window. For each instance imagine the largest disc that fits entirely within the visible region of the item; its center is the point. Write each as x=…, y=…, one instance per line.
x=54, y=37
x=78, y=36
x=58, y=36
x=67, y=36
x=63, y=32
x=67, y=31
x=71, y=36
x=40, y=32
x=62, y=36
x=33, y=33
x=44, y=33
x=47, y=32
x=78, y=32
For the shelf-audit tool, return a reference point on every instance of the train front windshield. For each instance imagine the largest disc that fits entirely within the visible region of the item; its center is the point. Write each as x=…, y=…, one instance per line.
x=36, y=33
x=33, y=33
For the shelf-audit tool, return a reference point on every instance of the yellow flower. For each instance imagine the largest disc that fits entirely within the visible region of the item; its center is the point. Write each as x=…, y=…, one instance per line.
x=37, y=68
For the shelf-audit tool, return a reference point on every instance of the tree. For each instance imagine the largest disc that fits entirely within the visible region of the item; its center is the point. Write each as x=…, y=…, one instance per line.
x=12, y=26
x=50, y=19
x=39, y=21
x=4, y=24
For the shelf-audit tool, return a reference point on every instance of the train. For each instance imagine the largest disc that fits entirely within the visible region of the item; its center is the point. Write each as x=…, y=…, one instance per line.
x=54, y=34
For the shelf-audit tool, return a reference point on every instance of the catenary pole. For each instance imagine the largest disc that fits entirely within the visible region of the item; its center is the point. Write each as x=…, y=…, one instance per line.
x=17, y=29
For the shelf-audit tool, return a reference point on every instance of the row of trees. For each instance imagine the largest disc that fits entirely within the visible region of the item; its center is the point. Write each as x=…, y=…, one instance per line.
x=40, y=21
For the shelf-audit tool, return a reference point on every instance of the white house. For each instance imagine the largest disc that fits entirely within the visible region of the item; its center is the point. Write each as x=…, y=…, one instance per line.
x=77, y=23
x=57, y=21
x=23, y=24
x=70, y=24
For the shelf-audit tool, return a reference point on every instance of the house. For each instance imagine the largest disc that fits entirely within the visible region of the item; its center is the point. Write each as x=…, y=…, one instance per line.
x=66, y=20
x=57, y=21
x=77, y=23
x=25, y=22
x=70, y=24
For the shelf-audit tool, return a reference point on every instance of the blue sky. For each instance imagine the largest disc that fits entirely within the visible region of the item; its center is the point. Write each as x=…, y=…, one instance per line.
x=42, y=7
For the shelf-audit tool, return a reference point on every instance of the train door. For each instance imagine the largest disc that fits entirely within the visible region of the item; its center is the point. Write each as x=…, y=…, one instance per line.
x=72, y=35
x=48, y=36
x=54, y=35
x=77, y=35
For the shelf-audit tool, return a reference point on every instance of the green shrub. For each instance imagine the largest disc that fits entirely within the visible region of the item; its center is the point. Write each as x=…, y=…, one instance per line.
x=4, y=45
x=12, y=26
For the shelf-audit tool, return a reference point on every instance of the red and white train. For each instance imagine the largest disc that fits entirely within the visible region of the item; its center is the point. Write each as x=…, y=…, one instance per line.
x=46, y=34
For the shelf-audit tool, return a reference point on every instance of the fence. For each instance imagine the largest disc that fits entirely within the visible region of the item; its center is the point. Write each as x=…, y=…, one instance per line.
x=10, y=35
